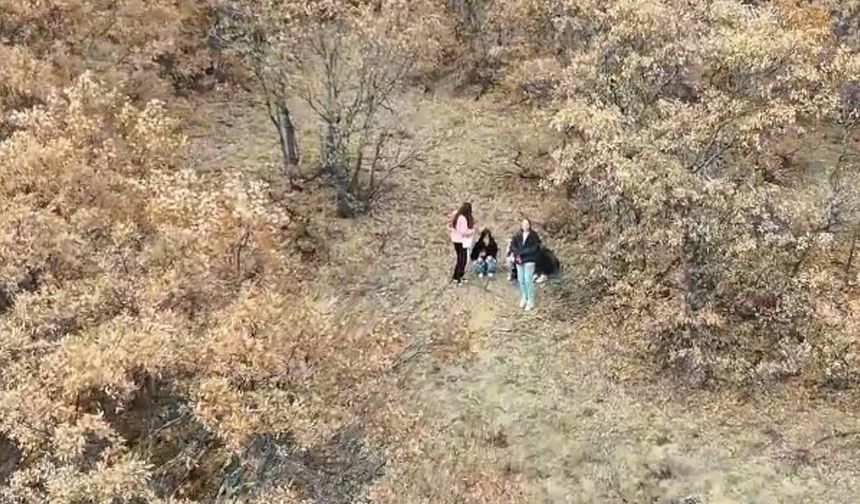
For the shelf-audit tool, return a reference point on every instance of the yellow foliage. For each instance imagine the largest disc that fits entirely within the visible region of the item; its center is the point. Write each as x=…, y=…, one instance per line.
x=126, y=269
x=805, y=15
x=669, y=115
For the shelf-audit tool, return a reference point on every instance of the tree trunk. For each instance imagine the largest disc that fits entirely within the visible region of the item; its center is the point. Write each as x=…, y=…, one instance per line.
x=289, y=144
x=333, y=161
x=343, y=203
x=850, y=260
x=354, y=185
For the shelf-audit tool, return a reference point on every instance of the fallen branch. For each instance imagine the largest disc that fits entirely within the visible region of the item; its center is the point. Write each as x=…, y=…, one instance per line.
x=190, y=463
x=836, y=435
x=524, y=172
x=182, y=416
x=410, y=353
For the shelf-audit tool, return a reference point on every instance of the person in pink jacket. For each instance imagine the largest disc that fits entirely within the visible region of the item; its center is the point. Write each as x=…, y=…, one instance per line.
x=462, y=229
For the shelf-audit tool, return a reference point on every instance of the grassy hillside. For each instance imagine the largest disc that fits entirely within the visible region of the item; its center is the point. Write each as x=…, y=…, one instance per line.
x=495, y=405
x=211, y=291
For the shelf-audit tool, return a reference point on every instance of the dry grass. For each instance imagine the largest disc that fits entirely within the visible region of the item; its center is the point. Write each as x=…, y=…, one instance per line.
x=500, y=406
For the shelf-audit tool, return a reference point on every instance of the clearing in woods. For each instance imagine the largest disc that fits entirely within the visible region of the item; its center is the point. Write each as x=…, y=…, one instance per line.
x=531, y=391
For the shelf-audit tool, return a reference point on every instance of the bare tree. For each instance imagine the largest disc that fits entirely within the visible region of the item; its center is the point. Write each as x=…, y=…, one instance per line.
x=260, y=36
x=275, y=93
x=347, y=61
x=358, y=68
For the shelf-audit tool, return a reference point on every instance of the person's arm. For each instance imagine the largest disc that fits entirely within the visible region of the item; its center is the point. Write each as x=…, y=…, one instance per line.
x=476, y=251
x=514, y=248
x=463, y=227
x=470, y=230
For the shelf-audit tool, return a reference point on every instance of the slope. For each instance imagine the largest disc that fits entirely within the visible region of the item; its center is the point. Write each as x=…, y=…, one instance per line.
x=502, y=406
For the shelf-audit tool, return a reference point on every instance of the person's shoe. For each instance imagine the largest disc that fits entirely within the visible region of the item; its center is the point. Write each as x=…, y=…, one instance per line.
x=491, y=275
x=480, y=275
x=522, y=303
x=530, y=307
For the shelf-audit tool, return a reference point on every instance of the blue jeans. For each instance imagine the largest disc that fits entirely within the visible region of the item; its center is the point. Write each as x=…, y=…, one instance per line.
x=526, y=279
x=484, y=266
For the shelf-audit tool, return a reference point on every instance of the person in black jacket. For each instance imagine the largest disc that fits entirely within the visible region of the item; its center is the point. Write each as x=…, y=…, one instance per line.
x=547, y=264
x=484, y=255
x=525, y=247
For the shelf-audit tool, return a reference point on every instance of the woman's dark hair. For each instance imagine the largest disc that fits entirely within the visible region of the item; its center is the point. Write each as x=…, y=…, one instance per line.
x=466, y=211
x=487, y=233
x=490, y=248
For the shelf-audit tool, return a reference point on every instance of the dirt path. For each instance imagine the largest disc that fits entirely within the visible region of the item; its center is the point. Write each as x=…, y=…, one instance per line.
x=524, y=390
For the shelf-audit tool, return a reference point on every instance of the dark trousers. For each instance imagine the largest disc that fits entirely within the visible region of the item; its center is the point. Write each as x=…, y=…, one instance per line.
x=460, y=267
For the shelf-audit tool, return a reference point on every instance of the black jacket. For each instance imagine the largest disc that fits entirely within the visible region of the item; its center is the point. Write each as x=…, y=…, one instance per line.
x=547, y=263
x=491, y=249
x=528, y=251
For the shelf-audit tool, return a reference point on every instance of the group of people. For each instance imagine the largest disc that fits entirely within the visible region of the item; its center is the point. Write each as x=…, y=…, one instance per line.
x=529, y=260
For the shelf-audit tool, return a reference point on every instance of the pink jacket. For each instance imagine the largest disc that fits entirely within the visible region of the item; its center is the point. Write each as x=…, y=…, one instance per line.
x=461, y=232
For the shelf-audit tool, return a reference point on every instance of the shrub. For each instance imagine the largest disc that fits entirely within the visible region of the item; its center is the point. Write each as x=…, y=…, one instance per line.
x=677, y=126
x=128, y=278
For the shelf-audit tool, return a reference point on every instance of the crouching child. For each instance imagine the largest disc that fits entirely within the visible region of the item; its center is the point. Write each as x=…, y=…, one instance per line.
x=484, y=255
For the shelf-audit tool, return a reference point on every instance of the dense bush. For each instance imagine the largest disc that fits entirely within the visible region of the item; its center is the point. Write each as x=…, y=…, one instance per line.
x=692, y=133
x=126, y=279
x=144, y=47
